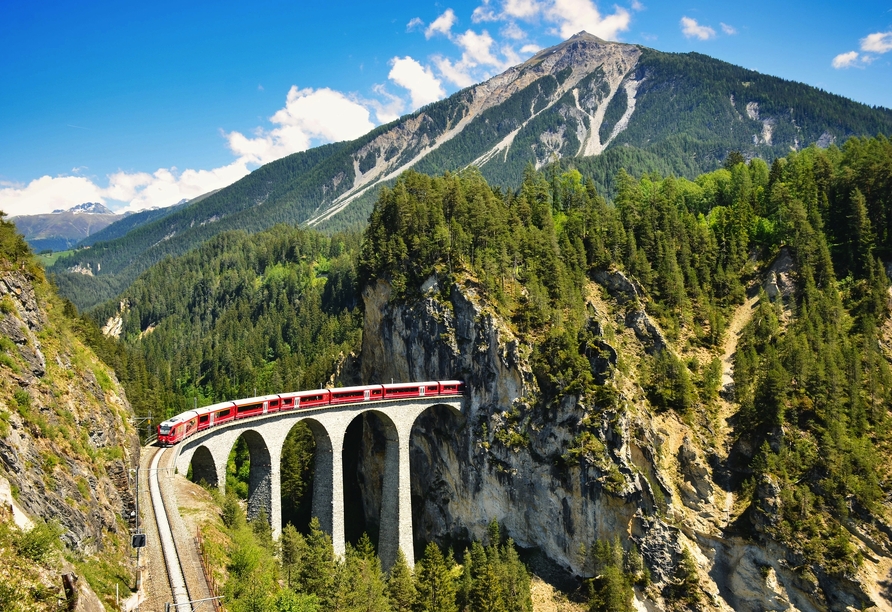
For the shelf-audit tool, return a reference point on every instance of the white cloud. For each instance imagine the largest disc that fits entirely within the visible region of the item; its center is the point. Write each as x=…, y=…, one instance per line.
x=310, y=117
x=423, y=86
x=441, y=25
x=531, y=49
x=729, y=30
x=414, y=24
x=845, y=60
x=456, y=73
x=513, y=31
x=879, y=42
x=484, y=12
x=572, y=16
x=691, y=29
x=477, y=48
x=47, y=193
x=388, y=107
x=522, y=9
x=637, y=6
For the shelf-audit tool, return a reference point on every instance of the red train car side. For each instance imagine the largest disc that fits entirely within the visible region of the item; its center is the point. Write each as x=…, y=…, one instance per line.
x=183, y=425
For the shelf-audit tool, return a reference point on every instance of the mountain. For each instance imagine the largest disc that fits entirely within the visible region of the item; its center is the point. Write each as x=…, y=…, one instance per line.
x=131, y=221
x=67, y=446
x=698, y=375
x=595, y=104
x=87, y=208
x=62, y=229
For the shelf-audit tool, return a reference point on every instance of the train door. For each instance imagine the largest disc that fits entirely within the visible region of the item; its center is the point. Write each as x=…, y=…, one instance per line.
x=366, y=395
x=265, y=407
x=421, y=390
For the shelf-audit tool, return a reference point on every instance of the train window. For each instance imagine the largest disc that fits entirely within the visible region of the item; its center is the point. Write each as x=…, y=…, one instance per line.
x=223, y=414
x=203, y=418
x=288, y=401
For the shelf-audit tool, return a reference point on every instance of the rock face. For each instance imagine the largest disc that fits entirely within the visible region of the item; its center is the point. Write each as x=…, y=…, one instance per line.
x=66, y=444
x=469, y=471
x=561, y=475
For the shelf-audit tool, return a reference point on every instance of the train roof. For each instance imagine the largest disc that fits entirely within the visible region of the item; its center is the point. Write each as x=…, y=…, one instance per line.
x=255, y=400
x=213, y=407
x=185, y=416
x=410, y=384
x=308, y=392
x=352, y=389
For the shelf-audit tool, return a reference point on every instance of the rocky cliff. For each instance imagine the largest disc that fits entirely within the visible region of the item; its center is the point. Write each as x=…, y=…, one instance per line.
x=560, y=475
x=66, y=445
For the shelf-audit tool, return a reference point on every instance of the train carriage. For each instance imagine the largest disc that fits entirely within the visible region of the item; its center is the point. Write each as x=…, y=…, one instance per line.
x=352, y=395
x=178, y=428
x=419, y=389
x=305, y=399
x=182, y=426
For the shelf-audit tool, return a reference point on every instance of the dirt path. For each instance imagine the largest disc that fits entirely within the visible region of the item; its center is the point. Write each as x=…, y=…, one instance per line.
x=739, y=320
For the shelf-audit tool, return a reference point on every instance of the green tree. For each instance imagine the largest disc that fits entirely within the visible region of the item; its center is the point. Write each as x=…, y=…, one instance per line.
x=435, y=582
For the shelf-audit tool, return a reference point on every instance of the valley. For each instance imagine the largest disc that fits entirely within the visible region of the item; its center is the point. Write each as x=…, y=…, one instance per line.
x=673, y=335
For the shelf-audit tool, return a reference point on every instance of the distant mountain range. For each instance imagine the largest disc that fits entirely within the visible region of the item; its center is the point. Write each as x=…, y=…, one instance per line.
x=62, y=229
x=597, y=105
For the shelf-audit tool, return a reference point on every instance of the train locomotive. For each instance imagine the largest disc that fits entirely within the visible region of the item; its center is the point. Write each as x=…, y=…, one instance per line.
x=178, y=428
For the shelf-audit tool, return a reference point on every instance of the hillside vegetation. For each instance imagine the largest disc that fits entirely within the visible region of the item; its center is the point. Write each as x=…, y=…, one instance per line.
x=812, y=383
x=688, y=112
x=66, y=444
x=812, y=380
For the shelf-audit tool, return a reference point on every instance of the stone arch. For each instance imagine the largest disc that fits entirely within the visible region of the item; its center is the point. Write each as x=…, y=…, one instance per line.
x=374, y=459
x=319, y=496
x=260, y=476
x=204, y=467
x=437, y=449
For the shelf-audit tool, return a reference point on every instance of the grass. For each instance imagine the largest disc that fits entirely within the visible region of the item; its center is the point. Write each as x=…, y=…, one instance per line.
x=48, y=259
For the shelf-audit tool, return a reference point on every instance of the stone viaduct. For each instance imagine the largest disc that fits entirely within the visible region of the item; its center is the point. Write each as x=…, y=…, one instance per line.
x=208, y=452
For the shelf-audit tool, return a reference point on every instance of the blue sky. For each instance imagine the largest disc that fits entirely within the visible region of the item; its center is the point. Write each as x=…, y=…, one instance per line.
x=144, y=104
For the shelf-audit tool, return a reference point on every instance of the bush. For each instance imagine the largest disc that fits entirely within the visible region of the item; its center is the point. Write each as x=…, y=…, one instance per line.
x=40, y=543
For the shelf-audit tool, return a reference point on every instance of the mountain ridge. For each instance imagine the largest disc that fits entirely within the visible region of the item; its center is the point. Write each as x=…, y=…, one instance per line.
x=638, y=108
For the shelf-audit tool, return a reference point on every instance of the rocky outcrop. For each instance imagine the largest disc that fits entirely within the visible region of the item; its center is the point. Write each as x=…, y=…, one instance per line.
x=560, y=473
x=66, y=443
x=505, y=459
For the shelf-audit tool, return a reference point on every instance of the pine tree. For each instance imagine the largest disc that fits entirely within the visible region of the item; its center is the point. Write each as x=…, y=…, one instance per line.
x=434, y=581
x=401, y=585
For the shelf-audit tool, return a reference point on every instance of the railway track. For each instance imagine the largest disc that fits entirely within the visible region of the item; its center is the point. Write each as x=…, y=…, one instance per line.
x=168, y=544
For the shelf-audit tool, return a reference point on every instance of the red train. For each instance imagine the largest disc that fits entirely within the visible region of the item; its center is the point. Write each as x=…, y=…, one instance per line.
x=183, y=425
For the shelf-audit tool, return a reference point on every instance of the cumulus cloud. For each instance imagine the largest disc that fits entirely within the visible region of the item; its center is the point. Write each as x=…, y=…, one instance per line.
x=310, y=117
x=567, y=16
x=457, y=73
x=441, y=25
x=691, y=29
x=729, y=30
x=879, y=42
x=47, y=193
x=423, y=86
x=845, y=60
x=522, y=9
x=572, y=16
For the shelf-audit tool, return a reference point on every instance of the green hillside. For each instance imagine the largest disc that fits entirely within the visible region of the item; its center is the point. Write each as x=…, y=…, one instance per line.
x=690, y=112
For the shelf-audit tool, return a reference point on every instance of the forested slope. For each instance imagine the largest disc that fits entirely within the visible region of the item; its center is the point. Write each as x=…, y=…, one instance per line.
x=599, y=106
x=808, y=423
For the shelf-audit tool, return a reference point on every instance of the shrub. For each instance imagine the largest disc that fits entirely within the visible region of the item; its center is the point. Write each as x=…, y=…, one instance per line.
x=40, y=543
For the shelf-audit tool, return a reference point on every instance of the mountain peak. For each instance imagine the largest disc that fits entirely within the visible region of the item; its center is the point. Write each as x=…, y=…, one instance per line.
x=92, y=208
x=583, y=35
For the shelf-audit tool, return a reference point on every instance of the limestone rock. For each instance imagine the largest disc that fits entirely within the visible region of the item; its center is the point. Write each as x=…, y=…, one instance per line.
x=694, y=470
x=646, y=330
